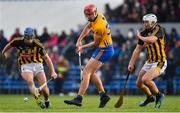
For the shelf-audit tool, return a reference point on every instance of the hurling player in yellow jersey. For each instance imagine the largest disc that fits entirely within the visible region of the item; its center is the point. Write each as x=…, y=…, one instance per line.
x=153, y=38
x=31, y=55
x=103, y=42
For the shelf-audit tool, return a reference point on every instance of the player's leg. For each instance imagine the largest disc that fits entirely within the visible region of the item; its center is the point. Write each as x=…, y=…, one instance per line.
x=97, y=81
x=45, y=90
x=28, y=77
x=104, y=98
x=148, y=80
x=145, y=89
x=41, y=80
x=92, y=66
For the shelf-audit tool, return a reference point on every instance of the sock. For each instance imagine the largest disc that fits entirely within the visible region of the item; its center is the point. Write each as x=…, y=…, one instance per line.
x=149, y=96
x=46, y=100
x=102, y=94
x=79, y=97
x=34, y=91
x=158, y=94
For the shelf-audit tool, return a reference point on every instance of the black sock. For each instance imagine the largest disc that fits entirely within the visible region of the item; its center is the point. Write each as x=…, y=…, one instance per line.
x=149, y=96
x=102, y=94
x=158, y=95
x=79, y=97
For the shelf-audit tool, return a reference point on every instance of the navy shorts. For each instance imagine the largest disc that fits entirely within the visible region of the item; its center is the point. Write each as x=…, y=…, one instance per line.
x=103, y=54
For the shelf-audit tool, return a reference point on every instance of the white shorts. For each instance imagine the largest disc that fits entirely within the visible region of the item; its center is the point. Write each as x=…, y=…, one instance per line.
x=35, y=68
x=160, y=65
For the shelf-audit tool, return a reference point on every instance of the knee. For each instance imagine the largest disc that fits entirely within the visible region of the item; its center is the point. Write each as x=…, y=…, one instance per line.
x=86, y=72
x=139, y=84
x=45, y=89
x=30, y=82
x=145, y=80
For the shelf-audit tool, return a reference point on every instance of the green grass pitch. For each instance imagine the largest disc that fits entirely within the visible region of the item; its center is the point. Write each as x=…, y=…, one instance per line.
x=15, y=103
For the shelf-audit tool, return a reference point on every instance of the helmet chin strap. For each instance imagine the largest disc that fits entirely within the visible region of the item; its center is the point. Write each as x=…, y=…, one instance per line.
x=94, y=18
x=151, y=26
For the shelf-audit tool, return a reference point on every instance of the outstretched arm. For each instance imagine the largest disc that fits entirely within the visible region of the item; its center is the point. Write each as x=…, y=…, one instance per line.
x=83, y=34
x=134, y=57
x=50, y=66
x=96, y=42
x=6, y=48
x=148, y=39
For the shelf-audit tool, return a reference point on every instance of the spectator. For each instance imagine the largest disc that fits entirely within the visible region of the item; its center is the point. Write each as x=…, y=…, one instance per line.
x=36, y=34
x=73, y=36
x=16, y=34
x=63, y=39
x=170, y=72
x=177, y=53
x=3, y=40
x=173, y=36
x=53, y=41
x=45, y=36
x=132, y=10
x=119, y=38
x=54, y=54
x=62, y=69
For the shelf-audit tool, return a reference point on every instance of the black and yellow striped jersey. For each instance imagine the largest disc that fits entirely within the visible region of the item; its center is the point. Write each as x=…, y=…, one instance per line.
x=156, y=51
x=28, y=53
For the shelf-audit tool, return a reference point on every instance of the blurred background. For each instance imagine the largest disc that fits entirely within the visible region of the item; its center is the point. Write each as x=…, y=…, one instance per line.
x=58, y=24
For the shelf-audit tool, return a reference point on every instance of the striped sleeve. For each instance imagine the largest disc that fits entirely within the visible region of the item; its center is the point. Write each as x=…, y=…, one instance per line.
x=143, y=32
x=160, y=33
x=15, y=41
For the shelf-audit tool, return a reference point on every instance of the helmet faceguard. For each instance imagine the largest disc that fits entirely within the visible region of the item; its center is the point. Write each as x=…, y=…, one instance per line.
x=149, y=20
x=90, y=12
x=29, y=33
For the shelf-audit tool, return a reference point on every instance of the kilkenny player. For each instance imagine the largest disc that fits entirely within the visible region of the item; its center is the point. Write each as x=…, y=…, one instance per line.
x=103, y=42
x=153, y=37
x=31, y=55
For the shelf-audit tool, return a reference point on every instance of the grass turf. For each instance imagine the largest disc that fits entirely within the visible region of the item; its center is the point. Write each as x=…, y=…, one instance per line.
x=15, y=103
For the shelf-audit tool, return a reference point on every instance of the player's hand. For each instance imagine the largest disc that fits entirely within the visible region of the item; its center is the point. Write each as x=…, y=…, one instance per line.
x=130, y=67
x=79, y=43
x=54, y=75
x=80, y=49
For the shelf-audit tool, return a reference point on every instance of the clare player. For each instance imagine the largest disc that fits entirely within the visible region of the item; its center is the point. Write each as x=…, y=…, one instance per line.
x=104, y=51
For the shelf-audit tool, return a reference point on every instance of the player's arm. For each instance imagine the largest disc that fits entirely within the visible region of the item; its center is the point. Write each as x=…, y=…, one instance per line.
x=147, y=39
x=50, y=65
x=6, y=48
x=134, y=57
x=97, y=39
x=83, y=34
x=95, y=43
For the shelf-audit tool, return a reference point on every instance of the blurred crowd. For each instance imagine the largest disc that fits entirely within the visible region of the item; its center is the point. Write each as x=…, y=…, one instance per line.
x=62, y=50
x=133, y=10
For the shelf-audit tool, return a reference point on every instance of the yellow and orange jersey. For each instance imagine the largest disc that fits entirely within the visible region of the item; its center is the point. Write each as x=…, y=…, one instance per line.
x=101, y=27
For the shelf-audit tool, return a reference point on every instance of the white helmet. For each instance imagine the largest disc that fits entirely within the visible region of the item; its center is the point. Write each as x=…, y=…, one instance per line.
x=150, y=17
